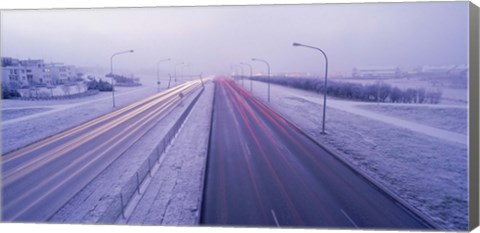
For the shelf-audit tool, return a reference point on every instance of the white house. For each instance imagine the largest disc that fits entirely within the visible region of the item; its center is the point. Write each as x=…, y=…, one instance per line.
x=14, y=74
x=62, y=73
x=36, y=72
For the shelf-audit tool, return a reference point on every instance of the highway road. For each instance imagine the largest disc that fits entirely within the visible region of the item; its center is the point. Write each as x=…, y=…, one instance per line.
x=39, y=179
x=262, y=171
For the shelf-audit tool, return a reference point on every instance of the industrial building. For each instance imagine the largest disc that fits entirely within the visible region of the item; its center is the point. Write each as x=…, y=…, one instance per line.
x=377, y=72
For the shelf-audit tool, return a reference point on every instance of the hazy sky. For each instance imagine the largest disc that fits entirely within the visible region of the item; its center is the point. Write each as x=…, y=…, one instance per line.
x=213, y=38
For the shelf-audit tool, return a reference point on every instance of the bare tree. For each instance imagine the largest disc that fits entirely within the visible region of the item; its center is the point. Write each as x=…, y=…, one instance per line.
x=66, y=89
x=78, y=85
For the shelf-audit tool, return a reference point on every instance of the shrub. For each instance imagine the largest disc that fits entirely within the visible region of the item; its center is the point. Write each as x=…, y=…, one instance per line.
x=378, y=92
x=99, y=85
x=9, y=92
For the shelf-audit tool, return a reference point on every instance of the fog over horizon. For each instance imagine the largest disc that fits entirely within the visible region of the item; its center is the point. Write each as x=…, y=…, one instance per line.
x=211, y=39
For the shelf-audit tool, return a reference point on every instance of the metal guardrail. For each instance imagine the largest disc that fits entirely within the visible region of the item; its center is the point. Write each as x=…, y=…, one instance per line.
x=128, y=190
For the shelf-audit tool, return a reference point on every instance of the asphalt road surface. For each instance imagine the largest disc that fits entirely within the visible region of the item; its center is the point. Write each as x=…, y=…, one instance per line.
x=40, y=178
x=262, y=171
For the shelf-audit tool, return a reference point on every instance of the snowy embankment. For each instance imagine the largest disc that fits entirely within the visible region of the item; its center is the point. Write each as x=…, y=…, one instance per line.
x=427, y=171
x=174, y=196
x=102, y=199
x=21, y=118
x=454, y=119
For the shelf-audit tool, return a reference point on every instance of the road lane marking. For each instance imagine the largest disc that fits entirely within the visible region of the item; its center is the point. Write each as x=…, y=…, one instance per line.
x=349, y=219
x=275, y=217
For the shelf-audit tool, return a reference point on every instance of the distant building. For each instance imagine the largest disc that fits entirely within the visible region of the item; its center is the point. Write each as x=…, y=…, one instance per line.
x=62, y=73
x=14, y=74
x=36, y=72
x=297, y=75
x=376, y=72
x=443, y=71
x=8, y=61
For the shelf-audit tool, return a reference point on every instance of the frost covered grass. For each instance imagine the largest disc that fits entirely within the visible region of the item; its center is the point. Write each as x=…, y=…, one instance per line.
x=451, y=119
x=427, y=172
x=8, y=114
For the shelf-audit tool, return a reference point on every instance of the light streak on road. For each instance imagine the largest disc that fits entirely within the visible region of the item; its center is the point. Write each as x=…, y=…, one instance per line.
x=259, y=162
x=40, y=178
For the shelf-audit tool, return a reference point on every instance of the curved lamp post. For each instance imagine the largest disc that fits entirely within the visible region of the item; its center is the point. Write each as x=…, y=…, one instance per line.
x=169, y=80
x=158, y=72
x=243, y=74
x=268, y=67
x=325, y=85
x=251, y=72
x=111, y=71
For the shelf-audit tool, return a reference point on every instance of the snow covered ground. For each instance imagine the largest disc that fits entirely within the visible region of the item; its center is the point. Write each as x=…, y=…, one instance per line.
x=450, y=119
x=8, y=114
x=77, y=88
x=101, y=200
x=175, y=193
x=405, y=155
x=20, y=118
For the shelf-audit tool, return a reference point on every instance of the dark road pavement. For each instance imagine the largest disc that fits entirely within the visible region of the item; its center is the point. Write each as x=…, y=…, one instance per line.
x=262, y=171
x=39, y=179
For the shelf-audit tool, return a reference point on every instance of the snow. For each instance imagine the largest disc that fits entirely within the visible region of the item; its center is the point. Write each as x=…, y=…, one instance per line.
x=61, y=115
x=175, y=193
x=427, y=171
x=8, y=114
x=77, y=88
x=351, y=107
x=101, y=200
x=450, y=119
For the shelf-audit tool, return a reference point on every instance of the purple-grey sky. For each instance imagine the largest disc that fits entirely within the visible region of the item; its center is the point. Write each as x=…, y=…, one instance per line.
x=213, y=38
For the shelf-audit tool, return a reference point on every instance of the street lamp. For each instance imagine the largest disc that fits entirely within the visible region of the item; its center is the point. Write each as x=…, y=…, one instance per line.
x=325, y=85
x=251, y=72
x=175, y=70
x=201, y=80
x=234, y=73
x=268, y=80
x=158, y=72
x=111, y=71
x=169, y=80
x=243, y=74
